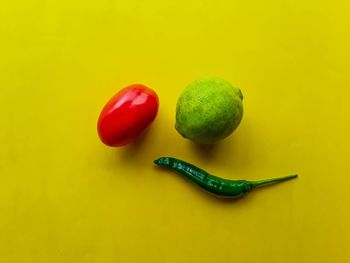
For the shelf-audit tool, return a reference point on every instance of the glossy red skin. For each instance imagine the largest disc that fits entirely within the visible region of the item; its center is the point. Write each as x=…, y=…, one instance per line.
x=127, y=114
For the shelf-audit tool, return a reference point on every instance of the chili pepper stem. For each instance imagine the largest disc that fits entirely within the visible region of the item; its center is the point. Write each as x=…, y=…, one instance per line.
x=272, y=180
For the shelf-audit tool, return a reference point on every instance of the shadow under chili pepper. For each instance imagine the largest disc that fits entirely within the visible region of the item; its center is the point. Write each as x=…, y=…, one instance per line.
x=259, y=190
x=241, y=200
x=224, y=200
x=210, y=197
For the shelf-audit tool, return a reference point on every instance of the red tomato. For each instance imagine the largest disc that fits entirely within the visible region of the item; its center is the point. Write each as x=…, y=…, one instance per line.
x=127, y=114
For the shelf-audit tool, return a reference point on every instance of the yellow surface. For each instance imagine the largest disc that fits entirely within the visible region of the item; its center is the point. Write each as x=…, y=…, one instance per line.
x=65, y=197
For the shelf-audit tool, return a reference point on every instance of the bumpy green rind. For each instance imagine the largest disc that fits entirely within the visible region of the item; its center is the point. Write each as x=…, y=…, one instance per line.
x=208, y=110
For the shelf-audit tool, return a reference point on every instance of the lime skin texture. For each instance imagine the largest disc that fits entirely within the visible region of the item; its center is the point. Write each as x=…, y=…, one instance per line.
x=208, y=110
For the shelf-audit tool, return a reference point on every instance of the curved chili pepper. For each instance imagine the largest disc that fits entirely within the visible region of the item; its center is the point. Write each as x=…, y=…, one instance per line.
x=213, y=184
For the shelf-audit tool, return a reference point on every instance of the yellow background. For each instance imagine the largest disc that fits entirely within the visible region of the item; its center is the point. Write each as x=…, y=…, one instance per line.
x=65, y=197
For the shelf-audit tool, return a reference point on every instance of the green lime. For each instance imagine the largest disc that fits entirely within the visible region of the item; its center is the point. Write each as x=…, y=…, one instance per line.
x=208, y=110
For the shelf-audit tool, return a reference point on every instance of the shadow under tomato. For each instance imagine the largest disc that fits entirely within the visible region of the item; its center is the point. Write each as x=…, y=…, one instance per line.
x=134, y=151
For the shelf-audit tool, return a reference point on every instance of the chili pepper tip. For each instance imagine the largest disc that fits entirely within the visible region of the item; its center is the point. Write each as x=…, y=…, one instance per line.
x=162, y=161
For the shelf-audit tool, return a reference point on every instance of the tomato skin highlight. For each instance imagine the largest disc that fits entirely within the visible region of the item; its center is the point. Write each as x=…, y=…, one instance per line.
x=127, y=114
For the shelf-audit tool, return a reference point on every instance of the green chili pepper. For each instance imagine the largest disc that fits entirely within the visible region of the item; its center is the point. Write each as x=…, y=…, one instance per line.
x=213, y=184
